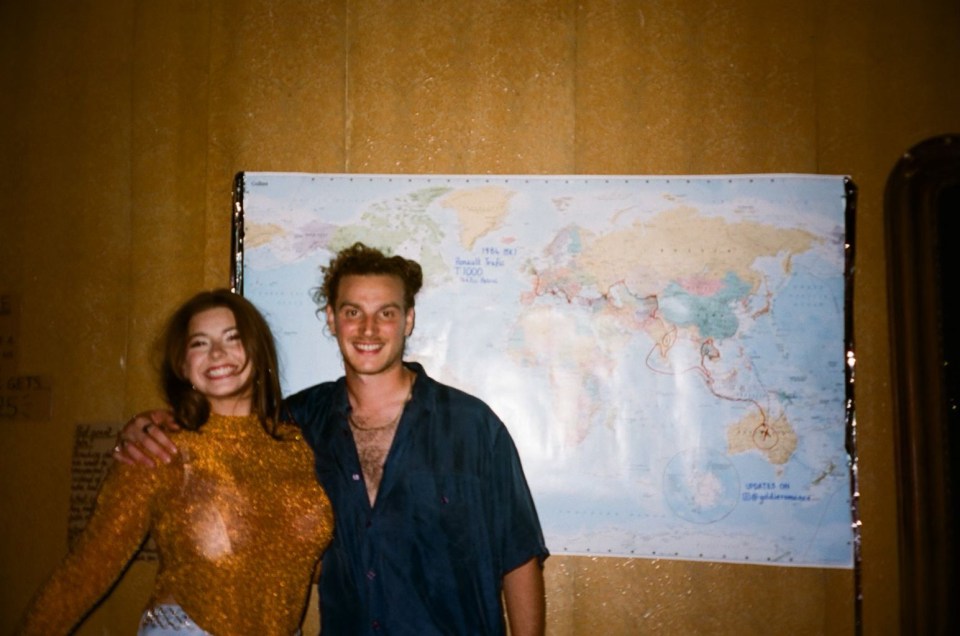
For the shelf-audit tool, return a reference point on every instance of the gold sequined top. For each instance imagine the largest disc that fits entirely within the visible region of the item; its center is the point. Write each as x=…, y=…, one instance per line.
x=239, y=521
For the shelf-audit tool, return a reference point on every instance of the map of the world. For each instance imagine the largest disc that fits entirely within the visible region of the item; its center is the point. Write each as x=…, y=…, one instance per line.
x=668, y=353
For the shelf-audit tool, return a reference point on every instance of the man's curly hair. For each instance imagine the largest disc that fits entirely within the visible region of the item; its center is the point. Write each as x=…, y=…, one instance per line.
x=361, y=260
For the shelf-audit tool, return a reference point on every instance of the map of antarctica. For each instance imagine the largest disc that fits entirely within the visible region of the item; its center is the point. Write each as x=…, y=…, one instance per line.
x=668, y=353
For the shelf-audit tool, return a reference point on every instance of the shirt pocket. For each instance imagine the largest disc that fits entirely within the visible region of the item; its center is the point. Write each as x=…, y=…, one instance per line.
x=447, y=510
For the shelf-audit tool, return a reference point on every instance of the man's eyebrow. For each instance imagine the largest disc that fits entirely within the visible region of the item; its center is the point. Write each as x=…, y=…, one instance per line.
x=347, y=303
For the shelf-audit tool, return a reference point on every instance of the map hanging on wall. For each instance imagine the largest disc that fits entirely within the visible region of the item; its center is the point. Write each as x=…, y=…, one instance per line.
x=668, y=353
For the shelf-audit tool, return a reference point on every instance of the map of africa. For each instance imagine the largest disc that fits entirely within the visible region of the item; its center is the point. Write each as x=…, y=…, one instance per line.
x=668, y=353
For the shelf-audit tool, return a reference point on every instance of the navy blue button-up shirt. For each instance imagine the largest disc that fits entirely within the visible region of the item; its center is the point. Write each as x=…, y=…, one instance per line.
x=453, y=514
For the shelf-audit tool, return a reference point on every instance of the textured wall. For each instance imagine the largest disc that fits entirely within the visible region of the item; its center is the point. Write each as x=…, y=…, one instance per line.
x=122, y=123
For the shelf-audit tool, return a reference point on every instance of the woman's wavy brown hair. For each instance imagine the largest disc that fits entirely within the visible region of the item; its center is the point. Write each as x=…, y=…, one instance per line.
x=190, y=407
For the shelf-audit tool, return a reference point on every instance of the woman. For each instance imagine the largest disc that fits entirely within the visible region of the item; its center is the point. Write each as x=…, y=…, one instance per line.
x=239, y=519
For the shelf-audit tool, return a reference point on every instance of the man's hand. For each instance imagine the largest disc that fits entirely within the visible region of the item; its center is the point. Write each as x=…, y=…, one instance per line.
x=144, y=440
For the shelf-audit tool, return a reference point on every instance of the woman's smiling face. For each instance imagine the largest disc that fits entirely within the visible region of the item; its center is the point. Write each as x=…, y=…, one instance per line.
x=216, y=362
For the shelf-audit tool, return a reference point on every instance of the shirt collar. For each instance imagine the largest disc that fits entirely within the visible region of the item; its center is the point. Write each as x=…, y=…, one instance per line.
x=424, y=391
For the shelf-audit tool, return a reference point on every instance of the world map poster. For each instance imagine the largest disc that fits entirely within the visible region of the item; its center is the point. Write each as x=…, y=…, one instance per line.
x=668, y=353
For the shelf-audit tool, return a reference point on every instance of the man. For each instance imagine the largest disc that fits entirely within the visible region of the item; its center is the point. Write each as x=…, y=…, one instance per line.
x=434, y=518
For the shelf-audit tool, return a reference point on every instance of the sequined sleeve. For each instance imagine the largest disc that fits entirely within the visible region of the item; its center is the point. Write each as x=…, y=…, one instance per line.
x=116, y=529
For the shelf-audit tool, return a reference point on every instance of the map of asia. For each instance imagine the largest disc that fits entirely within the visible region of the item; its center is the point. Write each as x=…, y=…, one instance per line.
x=668, y=353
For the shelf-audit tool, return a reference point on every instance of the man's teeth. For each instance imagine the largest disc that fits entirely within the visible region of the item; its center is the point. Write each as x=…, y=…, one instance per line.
x=368, y=347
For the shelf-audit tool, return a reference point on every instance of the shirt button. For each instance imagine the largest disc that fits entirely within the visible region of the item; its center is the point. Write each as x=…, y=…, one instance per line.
x=375, y=625
x=371, y=574
x=356, y=476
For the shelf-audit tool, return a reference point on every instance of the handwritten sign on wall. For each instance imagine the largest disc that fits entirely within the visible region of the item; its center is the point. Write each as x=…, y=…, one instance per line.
x=22, y=396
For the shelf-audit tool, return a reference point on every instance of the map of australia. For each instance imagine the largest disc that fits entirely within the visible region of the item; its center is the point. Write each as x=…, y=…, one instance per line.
x=668, y=353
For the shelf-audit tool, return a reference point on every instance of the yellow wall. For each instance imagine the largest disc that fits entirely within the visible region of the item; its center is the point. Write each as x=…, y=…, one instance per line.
x=122, y=123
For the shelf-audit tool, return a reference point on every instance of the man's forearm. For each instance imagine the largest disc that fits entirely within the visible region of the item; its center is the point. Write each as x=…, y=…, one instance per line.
x=523, y=593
